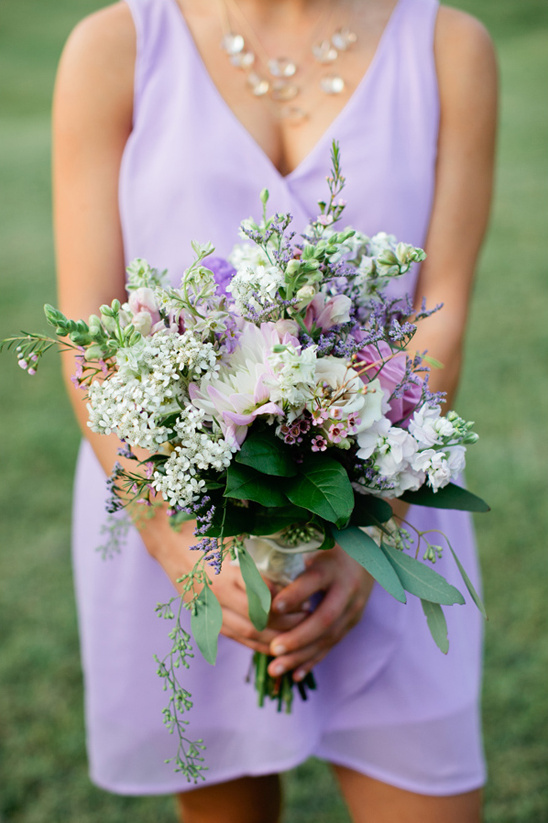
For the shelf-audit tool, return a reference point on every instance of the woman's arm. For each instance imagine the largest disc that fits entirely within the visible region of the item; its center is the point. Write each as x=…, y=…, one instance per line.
x=92, y=119
x=467, y=78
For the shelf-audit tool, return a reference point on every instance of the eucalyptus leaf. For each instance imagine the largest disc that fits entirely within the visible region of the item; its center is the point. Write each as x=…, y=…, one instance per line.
x=323, y=487
x=473, y=593
x=245, y=483
x=420, y=580
x=449, y=497
x=368, y=554
x=258, y=593
x=437, y=624
x=268, y=454
x=206, y=622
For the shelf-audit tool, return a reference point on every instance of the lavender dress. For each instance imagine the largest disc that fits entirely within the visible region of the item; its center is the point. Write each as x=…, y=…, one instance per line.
x=389, y=704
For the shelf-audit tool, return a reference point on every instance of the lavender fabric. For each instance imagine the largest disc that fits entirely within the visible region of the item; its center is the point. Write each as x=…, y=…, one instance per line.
x=388, y=704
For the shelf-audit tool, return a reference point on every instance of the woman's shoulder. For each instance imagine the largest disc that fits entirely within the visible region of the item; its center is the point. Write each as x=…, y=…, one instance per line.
x=465, y=56
x=461, y=40
x=97, y=65
x=109, y=30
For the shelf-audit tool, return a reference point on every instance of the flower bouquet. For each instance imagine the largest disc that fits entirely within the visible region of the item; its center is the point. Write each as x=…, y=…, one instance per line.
x=272, y=399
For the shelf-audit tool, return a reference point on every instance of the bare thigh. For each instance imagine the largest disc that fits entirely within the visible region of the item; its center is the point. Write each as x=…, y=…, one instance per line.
x=371, y=801
x=246, y=800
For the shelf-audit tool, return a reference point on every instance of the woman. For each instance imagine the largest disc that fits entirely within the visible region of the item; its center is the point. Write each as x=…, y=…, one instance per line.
x=161, y=139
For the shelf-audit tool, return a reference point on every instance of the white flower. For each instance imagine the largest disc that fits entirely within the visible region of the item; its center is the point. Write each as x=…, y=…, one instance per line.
x=436, y=466
x=241, y=389
x=424, y=425
x=393, y=448
x=456, y=459
x=349, y=393
x=294, y=375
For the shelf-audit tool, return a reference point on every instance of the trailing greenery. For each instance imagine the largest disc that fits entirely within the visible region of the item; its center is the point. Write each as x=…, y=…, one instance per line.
x=42, y=761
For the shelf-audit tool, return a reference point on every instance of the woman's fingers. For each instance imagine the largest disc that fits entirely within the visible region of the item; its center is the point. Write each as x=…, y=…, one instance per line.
x=347, y=588
x=293, y=597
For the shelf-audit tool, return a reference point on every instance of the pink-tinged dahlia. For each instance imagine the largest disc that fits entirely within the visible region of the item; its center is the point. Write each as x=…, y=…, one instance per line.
x=241, y=391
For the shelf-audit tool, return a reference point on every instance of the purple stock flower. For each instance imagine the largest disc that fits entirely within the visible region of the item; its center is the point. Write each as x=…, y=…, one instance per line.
x=223, y=272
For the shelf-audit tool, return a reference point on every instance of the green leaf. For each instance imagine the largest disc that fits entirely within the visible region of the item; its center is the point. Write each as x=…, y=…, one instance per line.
x=230, y=520
x=266, y=453
x=206, y=622
x=449, y=497
x=258, y=593
x=328, y=539
x=473, y=593
x=420, y=580
x=367, y=553
x=323, y=488
x=245, y=483
x=270, y=521
x=370, y=510
x=437, y=624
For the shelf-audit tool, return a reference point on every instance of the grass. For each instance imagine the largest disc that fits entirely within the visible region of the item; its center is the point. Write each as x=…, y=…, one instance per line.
x=43, y=773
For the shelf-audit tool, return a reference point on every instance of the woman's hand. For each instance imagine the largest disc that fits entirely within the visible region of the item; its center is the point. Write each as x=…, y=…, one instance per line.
x=346, y=586
x=171, y=550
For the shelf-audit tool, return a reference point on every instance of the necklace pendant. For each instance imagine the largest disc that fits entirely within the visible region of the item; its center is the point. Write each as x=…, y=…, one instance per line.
x=243, y=59
x=259, y=85
x=342, y=39
x=332, y=84
x=232, y=43
x=283, y=91
x=281, y=67
x=325, y=52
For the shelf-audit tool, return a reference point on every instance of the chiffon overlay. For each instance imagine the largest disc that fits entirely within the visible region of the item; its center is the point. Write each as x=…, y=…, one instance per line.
x=389, y=703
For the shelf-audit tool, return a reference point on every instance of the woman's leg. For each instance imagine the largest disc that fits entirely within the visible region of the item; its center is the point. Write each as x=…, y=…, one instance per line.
x=246, y=800
x=371, y=801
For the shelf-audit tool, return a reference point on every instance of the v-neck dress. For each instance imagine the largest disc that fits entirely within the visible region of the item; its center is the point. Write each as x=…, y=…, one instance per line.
x=388, y=703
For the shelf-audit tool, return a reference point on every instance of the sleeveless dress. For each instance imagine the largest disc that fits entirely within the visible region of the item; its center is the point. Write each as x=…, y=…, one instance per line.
x=389, y=704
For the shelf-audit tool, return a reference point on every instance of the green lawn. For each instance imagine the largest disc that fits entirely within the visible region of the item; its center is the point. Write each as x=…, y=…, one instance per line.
x=42, y=762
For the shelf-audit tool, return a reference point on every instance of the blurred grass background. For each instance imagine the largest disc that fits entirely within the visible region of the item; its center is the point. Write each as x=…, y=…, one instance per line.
x=43, y=773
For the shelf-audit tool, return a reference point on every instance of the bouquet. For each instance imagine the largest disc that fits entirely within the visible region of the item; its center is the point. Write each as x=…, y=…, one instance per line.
x=272, y=399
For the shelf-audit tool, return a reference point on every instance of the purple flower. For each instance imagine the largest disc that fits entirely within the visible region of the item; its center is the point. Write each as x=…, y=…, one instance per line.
x=223, y=272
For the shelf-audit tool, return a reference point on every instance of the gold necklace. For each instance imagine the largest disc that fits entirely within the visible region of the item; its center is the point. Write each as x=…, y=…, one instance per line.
x=276, y=81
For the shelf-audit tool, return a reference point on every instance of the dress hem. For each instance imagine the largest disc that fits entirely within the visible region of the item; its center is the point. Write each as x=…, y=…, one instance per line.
x=458, y=787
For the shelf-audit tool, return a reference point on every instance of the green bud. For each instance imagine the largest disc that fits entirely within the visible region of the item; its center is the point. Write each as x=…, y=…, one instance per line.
x=80, y=338
x=94, y=352
x=293, y=267
x=388, y=258
x=264, y=195
x=57, y=319
x=106, y=311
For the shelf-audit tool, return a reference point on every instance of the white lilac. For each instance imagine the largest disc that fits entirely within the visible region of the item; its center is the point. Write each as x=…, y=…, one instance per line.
x=150, y=384
x=179, y=479
x=130, y=409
